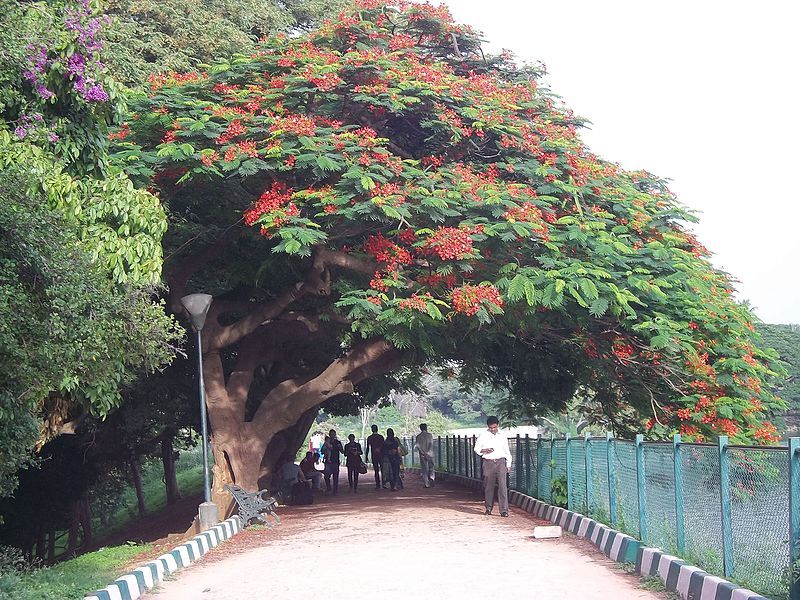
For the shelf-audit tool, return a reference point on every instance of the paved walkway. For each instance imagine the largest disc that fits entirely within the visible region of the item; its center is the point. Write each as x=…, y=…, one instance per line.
x=415, y=543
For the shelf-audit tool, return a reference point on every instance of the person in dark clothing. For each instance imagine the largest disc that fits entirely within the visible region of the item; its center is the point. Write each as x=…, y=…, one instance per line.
x=391, y=450
x=375, y=443
x=333, y=450
x=310, y=472
x=352, y=454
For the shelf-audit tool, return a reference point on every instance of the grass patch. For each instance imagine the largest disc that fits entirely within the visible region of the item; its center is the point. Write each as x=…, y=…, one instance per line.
x=190, y=481
x=70, y=579
x=653, y=583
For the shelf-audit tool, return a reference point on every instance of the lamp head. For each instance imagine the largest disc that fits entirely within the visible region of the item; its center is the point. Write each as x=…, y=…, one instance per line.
x=197, y=306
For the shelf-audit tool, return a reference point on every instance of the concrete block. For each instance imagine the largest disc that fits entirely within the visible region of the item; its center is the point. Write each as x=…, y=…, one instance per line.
x=543, y=532
x=209, y=515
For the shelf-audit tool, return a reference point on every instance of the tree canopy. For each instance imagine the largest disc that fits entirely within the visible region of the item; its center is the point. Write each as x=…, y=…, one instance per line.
x=147, y=38
x=378, y=192
x=785, y=339
x=81, y=246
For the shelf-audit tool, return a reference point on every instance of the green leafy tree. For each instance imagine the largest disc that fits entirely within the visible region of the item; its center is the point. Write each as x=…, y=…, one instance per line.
x=67, y=327
x=786, y=341
x=148, y=37
x=81, y=246
x=378, y=193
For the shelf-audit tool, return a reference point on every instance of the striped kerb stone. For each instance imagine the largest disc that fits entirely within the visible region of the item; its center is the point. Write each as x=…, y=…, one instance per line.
x=574, y=522
x=132, y=585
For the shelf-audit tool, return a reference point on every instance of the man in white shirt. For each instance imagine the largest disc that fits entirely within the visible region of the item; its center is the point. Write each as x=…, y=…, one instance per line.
x=425, y=447
x=492, y=447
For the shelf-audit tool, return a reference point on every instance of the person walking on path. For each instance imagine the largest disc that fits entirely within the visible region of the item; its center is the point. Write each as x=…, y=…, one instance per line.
x=492, y=447
x=425, y=448
x=375, y=443
x=333, y=450
x=315, y=445
x=352, y=453
x=391, y=452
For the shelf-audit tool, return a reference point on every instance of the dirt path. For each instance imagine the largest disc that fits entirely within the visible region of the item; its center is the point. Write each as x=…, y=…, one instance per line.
x=417, y=542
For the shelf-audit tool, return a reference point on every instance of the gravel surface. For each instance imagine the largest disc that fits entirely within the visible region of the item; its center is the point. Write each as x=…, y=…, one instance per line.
x=417, y=542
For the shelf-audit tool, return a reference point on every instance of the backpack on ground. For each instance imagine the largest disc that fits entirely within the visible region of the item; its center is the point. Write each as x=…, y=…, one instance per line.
x=301, y=494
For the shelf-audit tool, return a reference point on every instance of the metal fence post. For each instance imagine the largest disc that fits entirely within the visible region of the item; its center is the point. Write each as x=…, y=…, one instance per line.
x=439, y=452
x=612, y=480
x=570, y=502
x=680, y=528
x=794, y=518
x=539, y=467
x=518, y=462
x=447, y=452
x=552, y=468
x=527, y=464
x=640, y=487
x=587, y=457
x=459, y=452
x=476, y=461
x=467, y=459
x=464, y=449
x=461, y=457
x=725, y=498
x=464, y=460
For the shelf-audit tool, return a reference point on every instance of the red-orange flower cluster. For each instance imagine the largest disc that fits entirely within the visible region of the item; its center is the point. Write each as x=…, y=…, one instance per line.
x=449, y=243
x=622, y=349
x=415, y=302
x=468, y=298
x=386, y=251
x=767, y=434
x=273, y=198
x=296, y=124
x=234, y=128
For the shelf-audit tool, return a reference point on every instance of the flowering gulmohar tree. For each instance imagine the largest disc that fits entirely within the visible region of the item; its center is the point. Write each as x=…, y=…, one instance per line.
x=380, y=194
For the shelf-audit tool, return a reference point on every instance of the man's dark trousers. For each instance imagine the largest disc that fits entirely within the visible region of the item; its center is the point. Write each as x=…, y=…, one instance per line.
x=495, y=472
x=376, y=466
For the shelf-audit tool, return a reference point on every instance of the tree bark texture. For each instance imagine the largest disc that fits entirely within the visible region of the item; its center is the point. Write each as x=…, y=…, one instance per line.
x=136, y=476
x=262, y=398
x=168, y=462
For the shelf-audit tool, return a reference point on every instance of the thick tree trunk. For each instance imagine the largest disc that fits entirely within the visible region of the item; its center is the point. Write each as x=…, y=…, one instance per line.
x=136, y=476
x=168, y=462
x=51, y=546
x=285, y=444
x=287, y=350
x=235, y=462
x=41, y=548
x=86, y=520
x=72, y=539
x=240, y=446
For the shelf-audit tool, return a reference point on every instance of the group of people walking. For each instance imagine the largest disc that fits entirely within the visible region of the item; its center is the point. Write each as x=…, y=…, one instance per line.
x=387, y=453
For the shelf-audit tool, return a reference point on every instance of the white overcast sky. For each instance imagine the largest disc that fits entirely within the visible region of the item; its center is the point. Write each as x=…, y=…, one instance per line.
x=705, y=93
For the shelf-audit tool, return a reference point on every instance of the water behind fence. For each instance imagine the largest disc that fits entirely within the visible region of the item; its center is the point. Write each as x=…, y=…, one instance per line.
x=732, y=510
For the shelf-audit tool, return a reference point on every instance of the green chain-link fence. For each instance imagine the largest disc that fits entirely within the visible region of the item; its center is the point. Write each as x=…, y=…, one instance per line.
x=731, y=510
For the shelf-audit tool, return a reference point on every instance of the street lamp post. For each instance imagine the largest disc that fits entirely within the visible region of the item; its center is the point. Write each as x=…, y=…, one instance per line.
x=197, y=306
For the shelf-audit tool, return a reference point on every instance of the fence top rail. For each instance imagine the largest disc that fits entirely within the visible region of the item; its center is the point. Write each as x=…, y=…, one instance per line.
x=761, y=448
x=578, y=439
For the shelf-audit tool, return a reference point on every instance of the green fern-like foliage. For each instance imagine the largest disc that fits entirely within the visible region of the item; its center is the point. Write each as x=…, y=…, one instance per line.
x=494, y=236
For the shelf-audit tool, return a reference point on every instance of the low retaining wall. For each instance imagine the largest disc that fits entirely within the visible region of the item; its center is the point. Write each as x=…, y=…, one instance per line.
x=132, y=585
x=690, y=582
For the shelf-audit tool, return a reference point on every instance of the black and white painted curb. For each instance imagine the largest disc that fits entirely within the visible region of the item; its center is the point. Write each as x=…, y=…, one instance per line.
x=133, y=585
x=690, y=582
